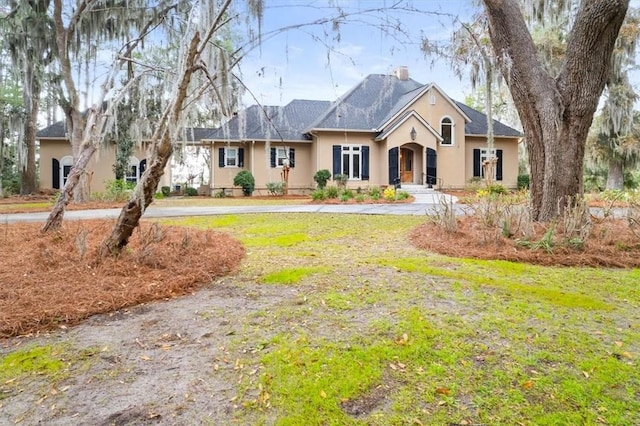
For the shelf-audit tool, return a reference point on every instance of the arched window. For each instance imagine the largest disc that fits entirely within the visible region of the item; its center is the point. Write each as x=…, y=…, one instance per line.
x=133, y=172
x=65, y=167
x=446, y=131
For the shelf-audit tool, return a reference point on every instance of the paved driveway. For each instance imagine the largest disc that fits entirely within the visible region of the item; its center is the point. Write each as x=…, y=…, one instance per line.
x=421, y=206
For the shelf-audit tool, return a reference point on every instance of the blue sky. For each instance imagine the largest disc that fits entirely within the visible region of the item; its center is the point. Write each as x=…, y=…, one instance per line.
x=309, y=63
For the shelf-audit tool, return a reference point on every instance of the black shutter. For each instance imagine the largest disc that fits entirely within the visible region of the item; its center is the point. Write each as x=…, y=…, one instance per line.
x=55, y=168
x=337, y=164
x=143, y=166
x=292, y=157
x=273, y=157
x=220, y=157
x=476, y=163
x=432, y=167
x=394, y=169
x=365, y=163
x=240, y=157
x=499, y=164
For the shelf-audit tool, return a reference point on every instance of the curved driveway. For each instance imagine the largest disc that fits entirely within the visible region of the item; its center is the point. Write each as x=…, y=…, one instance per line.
x=421, y=206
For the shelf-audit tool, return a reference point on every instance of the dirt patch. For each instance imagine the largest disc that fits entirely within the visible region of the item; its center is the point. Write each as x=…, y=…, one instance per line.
x=58, y=279
x=611, y=244
x=375, y=398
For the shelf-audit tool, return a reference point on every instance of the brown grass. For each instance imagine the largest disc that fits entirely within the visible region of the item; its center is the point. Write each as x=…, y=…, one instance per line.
x=56, y=279
x=611, y=244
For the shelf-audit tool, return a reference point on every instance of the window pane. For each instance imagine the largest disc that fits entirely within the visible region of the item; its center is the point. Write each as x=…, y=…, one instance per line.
x=446, y=133
x=345, y=164
x=356, y=166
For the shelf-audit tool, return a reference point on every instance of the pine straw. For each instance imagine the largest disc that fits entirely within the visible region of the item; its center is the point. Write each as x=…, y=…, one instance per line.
x=611, y=244
x=55, y=279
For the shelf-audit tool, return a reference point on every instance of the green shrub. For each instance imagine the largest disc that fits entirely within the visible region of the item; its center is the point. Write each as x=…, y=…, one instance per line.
x=191, y=192
x=341, y=180
x=374, y=192
x=523, y=181
x=360, y=198
x=117, y=190
x=318, y=195
x=220, y=194
x=348, y=193
x=402, y=195
x=275, y=188
x=166, y=191
x=158, y=196
x=321, y=177
x=245, y=180
x=332, y=191
x=344, y=198
x=496, y=189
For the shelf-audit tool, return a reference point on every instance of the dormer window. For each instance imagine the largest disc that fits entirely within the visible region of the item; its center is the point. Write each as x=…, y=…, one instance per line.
x=446, y=131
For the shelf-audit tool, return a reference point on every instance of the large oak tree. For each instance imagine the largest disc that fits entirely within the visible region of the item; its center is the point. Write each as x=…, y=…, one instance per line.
x=556, y=109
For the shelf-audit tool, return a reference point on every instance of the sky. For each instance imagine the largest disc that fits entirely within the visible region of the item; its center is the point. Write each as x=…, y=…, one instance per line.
x=311, y=63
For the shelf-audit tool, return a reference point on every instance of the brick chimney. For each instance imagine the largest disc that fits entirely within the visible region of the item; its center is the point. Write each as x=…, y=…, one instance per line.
x=402, y=73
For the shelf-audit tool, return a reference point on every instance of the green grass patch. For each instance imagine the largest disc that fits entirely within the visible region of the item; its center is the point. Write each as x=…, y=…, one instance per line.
x=44, y=360
x=505, y=276
x=292, y=275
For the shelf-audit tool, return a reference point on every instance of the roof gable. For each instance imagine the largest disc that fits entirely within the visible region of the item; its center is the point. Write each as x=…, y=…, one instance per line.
x=367, y=104
x=404, y=117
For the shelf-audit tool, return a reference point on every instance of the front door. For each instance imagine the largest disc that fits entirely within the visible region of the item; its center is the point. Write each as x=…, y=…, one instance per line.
x=406, y=165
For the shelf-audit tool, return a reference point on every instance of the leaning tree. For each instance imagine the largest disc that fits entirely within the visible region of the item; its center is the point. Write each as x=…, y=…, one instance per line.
x=77, y=40
x=556, y=109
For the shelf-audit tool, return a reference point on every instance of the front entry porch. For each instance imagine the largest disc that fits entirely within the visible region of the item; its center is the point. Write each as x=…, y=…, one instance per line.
x=413, y=164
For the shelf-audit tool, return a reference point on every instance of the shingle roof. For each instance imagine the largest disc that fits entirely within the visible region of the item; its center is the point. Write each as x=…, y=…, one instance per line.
x=366, y=105
x=58, y=130
x=478, y=123
x=54, y=131
x=272, y=122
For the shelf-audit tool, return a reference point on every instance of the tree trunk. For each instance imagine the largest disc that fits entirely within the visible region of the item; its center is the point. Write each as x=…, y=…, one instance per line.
x=141, y=198
x=556, y=112
x=54, y=221
x=615, y=176
x=1, y=158
x=78, y=171
x=163, y=147
x=28, y=182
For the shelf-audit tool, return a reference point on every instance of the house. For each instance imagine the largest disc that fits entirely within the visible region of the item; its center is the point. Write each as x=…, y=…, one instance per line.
x=388, y=129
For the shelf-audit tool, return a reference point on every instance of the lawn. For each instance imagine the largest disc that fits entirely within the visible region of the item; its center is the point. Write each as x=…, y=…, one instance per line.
x=387, y=334
x=361, y=327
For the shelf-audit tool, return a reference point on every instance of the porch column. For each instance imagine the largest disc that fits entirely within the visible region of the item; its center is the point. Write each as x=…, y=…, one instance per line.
x=423, y=177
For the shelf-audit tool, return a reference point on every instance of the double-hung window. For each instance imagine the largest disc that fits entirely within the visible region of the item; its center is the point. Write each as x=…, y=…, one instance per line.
x=351, y=161
x=231, y=157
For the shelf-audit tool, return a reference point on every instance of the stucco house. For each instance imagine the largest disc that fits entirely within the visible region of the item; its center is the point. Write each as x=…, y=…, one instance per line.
x=388, y=129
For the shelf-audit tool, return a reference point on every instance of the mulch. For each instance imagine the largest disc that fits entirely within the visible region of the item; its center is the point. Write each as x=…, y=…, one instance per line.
x=610, y=244
x=58, y=279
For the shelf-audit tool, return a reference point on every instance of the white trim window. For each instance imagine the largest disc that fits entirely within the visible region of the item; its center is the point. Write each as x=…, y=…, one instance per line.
x=446, y=131
x=231, y=157
x=66, y=163
x=352, y=161
x=282, y=156
x=132, y=174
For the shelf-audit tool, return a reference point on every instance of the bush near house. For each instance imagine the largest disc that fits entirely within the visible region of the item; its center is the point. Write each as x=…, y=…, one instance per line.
x=322, y=177
x=245, y=180
x=275, y=188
